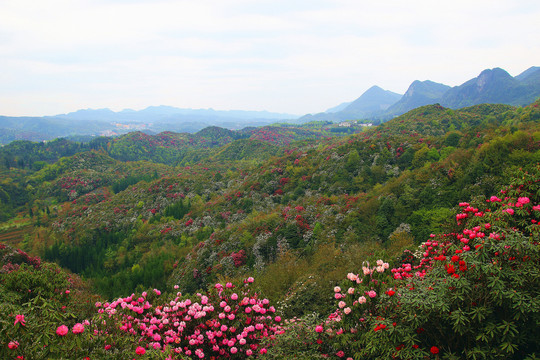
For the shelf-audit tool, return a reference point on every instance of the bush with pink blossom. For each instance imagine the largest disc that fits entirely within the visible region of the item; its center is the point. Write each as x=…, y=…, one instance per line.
x=228, y=321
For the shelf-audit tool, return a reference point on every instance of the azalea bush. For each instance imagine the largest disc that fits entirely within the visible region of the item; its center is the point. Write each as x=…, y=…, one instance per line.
x=228, y=321
x=469, y=294
x=35, y=298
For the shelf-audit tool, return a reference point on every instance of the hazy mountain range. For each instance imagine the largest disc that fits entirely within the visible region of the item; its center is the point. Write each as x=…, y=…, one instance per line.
x=153, y=119
x=491, y=86
x=376, y=104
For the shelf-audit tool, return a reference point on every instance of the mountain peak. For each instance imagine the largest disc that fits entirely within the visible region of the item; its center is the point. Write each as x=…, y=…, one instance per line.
x=491, y=86
x=426, y=88
x=419, y=93
x=490, y=75
x=533, y=71
x=372, y=100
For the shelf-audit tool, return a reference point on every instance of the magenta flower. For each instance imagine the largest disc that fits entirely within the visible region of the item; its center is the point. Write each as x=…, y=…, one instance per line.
x=140, y=350
x=523, y=200
x=78, y=328
x=13, y=345
x=62, y=330
x=19, y=319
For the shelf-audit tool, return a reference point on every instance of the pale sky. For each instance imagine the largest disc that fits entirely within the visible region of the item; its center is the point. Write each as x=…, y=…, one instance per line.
x=298, y=57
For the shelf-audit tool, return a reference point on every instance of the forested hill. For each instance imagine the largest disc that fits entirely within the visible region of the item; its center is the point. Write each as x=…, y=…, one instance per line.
x=294, y=207
x=166, y=147
x=240, y=201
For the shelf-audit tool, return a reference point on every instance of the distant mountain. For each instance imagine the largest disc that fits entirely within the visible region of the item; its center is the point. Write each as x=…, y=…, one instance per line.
x=532, y=72
x=162, y=113
x=372, y=102
x=491, y=86
x=418, y=94
x=152, y=120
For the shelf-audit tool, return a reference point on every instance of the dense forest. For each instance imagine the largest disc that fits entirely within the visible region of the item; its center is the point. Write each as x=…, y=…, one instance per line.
x=296, y=208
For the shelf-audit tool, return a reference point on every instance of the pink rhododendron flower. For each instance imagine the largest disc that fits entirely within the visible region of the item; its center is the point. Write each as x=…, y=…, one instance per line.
x=319, y=328
x=362, y=300
x=140, y=350
x=13, y=345
x=19, y=319
x=62, y=330
x=78, y=328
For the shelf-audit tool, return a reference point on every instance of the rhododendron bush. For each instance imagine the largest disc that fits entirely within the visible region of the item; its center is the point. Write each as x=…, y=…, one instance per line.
x=226, y=322
x=469, y=294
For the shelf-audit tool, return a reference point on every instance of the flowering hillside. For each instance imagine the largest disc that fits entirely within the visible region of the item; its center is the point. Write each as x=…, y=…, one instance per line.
x=385, y=205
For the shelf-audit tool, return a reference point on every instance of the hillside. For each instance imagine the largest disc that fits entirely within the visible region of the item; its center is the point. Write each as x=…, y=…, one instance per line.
x=289, y=193
x=295, y=214
x=419, y=93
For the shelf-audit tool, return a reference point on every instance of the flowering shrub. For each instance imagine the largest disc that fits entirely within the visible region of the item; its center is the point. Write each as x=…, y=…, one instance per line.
x=35, y=299
x=473, y=293
x=226, y=322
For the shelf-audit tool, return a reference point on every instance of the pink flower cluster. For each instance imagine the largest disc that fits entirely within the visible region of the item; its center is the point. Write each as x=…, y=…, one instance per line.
x=78, y=328
x=221, y=323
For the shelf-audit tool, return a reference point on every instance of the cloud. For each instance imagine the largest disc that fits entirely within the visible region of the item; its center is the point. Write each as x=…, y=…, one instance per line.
x=300, y=56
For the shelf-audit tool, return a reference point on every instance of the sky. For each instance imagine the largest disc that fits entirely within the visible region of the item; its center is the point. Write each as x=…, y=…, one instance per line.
x=295, y=57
